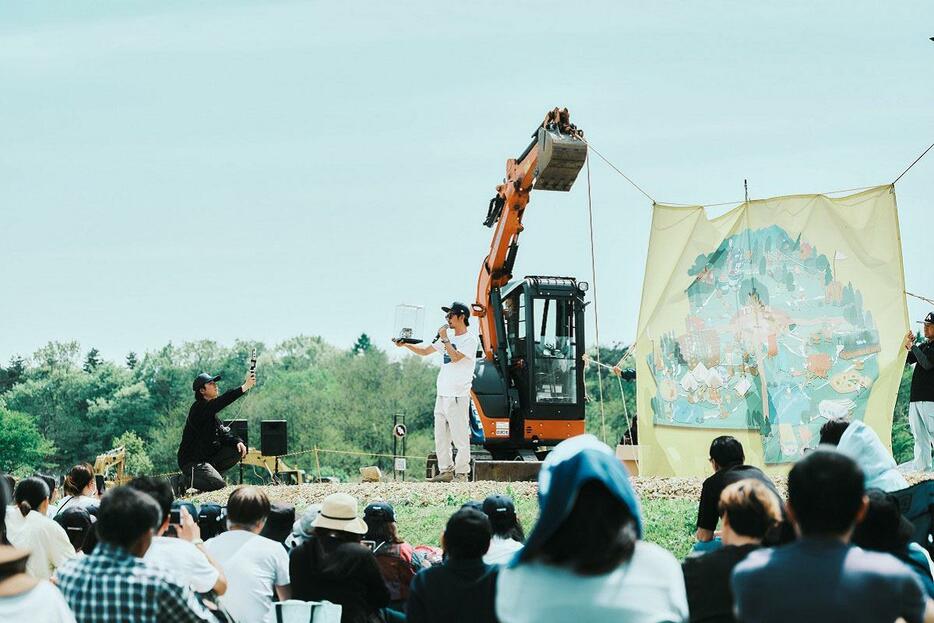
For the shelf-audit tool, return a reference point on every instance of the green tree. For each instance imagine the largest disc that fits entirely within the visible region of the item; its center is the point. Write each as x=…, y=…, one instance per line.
x=131, y=360
x=92, y=361
x=138, y=462
x=363, y=345
x=23, y=449
x=12, y=375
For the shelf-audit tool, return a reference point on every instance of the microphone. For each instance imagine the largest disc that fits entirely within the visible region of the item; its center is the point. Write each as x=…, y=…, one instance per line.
x=437, y=337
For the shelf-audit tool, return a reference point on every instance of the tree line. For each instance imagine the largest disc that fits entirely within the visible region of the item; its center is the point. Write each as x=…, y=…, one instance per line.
x=62, y=405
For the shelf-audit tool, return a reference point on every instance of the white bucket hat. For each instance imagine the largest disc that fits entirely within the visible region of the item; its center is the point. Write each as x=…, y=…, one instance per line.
x=339, y=512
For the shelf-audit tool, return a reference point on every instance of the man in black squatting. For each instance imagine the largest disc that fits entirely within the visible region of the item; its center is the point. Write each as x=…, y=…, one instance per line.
x=208, y=449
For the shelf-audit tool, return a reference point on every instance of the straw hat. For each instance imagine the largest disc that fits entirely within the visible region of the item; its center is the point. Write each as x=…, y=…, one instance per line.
x=339, y=512
x=19, y=583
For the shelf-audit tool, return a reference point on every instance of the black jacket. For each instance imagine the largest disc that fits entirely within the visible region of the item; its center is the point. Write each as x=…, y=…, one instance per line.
x=204, y=434
x=342, y=573
x=458, y=591
x=922, y=380
x=707, y=580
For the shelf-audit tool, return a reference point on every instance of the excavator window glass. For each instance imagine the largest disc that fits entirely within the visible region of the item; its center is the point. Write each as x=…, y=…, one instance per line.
x=555, y=368
x=514, y=317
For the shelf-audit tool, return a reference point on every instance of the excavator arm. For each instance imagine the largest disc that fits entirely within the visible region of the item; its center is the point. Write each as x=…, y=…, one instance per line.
x=550, y=162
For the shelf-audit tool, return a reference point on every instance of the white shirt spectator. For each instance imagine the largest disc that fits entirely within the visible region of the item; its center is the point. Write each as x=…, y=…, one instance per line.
x=650, y=587
x=501, y=550
x=43, y=537
x=41, y=604
x=77, y=501
x=184, y=561
x=253, y=565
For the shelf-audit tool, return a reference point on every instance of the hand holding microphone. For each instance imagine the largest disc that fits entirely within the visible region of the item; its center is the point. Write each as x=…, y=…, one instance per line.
x=442, y=334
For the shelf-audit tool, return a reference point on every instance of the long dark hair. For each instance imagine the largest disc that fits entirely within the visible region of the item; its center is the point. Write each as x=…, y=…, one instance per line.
x=6, y=494
x=382, y=532
x=507, y=527
x=30, y=494
x=326, y=542
x=598, y=535
x=80, y=476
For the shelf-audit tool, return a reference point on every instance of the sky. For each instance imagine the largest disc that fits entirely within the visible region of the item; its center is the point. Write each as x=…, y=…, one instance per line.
x=176, y=170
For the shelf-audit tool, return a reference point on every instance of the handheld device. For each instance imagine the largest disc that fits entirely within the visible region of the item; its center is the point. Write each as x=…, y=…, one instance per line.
x=369, y=544
x=175, y=517
x=253, y=362
x=101, y=485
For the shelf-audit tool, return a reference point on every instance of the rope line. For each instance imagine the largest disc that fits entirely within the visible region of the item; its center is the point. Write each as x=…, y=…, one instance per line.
x=590, y=147
x=738, y=201
x=919, y=297
x=596, y=307
x=923, y=153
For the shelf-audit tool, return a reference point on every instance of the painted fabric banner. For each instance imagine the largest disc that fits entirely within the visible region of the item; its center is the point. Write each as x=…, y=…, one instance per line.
x=764, y=323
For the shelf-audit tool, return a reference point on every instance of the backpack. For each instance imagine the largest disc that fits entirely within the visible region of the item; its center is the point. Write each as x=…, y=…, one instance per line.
x=396, y=569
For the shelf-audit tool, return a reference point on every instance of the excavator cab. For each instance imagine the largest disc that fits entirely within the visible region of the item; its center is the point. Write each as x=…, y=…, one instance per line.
x=531, y=396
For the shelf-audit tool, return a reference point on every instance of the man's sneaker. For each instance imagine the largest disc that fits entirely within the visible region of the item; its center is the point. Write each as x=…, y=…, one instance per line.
x=460, y=478
x=445, y=476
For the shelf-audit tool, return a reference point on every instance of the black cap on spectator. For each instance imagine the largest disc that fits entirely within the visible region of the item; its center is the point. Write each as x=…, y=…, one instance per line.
x=279, y=522
x=379, y=511
x=467, y=534
x=498, y=505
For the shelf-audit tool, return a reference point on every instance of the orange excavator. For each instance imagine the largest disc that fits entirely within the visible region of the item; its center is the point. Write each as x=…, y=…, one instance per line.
x=528, y=389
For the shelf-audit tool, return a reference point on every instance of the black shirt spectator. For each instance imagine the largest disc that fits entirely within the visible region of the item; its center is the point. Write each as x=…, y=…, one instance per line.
x=748, y=509
x=922, y=379
x=462, y=589
x=341, y=571
x=707, y=515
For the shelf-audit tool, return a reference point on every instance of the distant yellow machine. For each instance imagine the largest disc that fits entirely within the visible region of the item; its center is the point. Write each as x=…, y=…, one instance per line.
x=112, y=466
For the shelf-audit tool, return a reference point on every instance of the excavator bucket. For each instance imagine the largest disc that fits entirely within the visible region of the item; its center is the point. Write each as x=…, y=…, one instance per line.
x=560, y=159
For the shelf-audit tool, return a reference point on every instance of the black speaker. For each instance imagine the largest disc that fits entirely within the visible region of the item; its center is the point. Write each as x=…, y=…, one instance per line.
x=273, y=438
x=239, y=428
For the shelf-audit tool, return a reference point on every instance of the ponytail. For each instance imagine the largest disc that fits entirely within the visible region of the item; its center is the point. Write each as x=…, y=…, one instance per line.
x=78, y=478
x=30, y=494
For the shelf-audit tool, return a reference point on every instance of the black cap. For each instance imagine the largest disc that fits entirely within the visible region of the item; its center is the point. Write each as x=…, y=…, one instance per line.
x=477, y=505
x=929, y=319
x=499, y=506
x=379, y=511
x=203, y=379
x=279, y=522
x=458, y=309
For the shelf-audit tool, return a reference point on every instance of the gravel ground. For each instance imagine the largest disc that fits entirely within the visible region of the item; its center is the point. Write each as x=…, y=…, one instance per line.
x=430, y=494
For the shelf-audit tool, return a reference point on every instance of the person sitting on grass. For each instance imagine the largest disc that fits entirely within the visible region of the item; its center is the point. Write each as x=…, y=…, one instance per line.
x=862, y=444
x=80, y=490
x=885, y=529
x=333, y=565
x=398, y=562
x=256, y=568
x=747, y=511
x=22, y=597
x=29, y=527
x=113, y=583
x=728, y=461
x=462, y=588
x=585, y=560
x=185, y=555
x=508, y=535
x=821, y=576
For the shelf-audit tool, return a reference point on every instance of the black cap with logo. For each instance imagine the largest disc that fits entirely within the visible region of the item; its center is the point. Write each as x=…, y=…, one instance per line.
x=929, y=319
x=203, y=379
x=458, y=309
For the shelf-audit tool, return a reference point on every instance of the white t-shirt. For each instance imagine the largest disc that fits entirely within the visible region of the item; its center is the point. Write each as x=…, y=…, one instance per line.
x=253, y=565
x=43, y=537
x=183, y=561
x=501, y=550
x=41, y=604
x=648, y=588
x=456, y=377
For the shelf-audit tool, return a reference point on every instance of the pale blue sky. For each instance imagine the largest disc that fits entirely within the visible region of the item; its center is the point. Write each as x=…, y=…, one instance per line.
x=185, y=170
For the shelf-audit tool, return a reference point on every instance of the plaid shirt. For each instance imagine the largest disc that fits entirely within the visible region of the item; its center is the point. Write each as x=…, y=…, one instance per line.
x=113, y=585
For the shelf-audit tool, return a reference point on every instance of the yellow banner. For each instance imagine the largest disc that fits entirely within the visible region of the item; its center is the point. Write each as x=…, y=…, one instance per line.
x=764, y=323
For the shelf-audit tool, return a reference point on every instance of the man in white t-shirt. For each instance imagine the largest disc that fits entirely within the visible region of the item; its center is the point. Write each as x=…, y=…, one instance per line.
x=452, y=406
x=185, y=557
x=257, y=568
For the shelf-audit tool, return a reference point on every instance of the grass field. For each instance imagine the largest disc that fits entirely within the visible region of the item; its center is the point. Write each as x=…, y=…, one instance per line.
x=423, y=508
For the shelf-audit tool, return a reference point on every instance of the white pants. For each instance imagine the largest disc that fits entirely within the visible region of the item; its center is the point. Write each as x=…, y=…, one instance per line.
x=921, y=422
x=452, y=426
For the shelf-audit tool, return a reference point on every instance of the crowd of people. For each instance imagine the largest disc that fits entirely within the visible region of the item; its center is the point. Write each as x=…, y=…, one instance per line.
x=836, y=548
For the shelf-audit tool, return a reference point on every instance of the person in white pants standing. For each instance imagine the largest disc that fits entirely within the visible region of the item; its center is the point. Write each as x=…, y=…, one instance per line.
x=452, y=406
x=921, y=399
